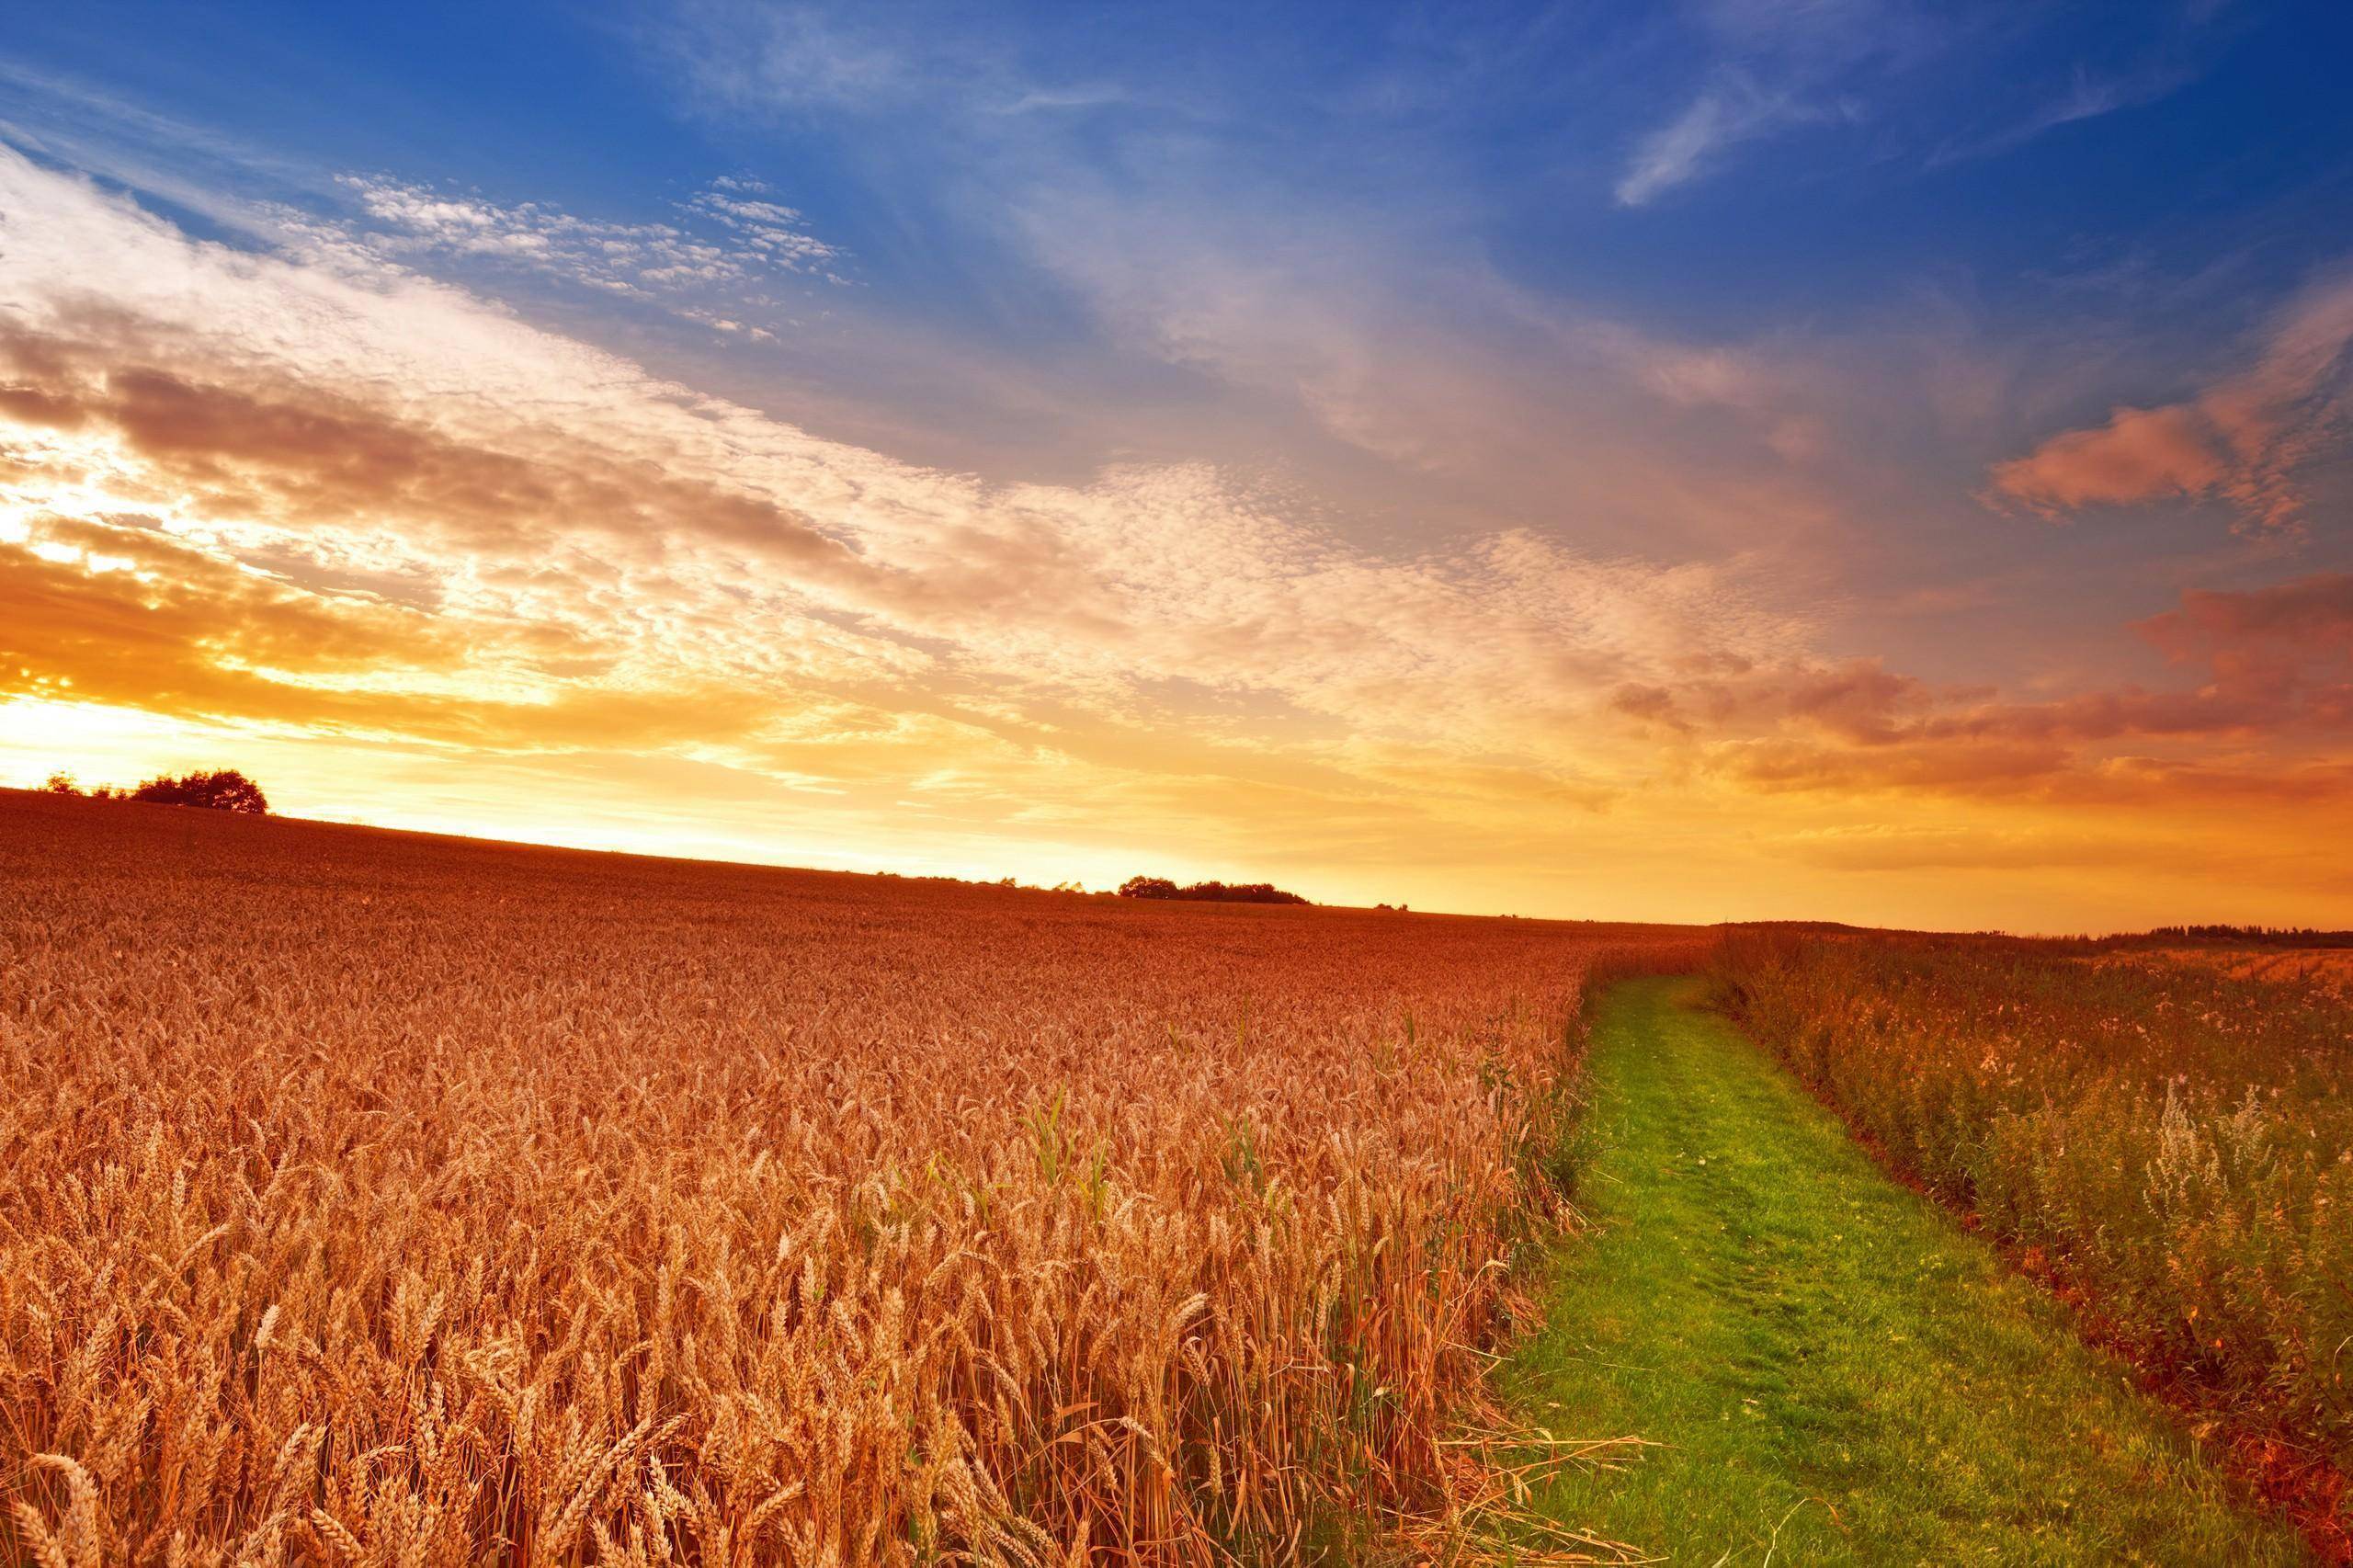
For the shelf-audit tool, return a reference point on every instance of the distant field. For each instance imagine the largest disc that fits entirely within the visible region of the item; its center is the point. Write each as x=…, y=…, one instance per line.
x=377, y=1198
x=2332, y=967
x=2167, y=1136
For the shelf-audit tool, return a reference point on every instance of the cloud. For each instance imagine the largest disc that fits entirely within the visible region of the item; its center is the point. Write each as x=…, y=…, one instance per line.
x=567, y=536
x=1972, y=848
x=786, y=57
x=1888, y=67
x=2287, y=647
x=306, y=492
x=1397, y=376
x=2152, y=784
x=1977, y=767
x=2276, y=680
x=769, y=230
x=2089, y=94
x=1725, y=115
x=731, y=240
x=80, y=125
x=2242, y=440
x=1772, y=68
x=2308, y=617
x=2139, y=455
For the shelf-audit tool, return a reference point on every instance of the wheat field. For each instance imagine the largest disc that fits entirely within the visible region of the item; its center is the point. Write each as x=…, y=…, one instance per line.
x=2330, y=967
x=382, y=1199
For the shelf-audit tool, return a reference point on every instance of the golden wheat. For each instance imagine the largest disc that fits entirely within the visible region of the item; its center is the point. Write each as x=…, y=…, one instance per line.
x=386, y=1199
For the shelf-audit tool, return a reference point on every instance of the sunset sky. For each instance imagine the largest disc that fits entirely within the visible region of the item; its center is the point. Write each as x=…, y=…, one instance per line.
x=1832, y=458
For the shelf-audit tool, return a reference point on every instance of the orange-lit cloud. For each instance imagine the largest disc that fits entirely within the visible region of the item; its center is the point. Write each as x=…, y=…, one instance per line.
x=2247, y=634
x=2139, y=455
x=2242, y=440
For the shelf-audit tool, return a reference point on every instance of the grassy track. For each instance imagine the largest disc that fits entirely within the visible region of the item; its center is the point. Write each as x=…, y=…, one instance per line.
x=1837, y=1372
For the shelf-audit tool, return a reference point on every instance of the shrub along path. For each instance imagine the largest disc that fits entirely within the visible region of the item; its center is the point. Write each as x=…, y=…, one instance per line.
x=1834, y=1370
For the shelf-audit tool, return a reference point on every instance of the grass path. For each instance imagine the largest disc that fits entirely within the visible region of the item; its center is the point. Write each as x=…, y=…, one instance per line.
x=1837, y=1372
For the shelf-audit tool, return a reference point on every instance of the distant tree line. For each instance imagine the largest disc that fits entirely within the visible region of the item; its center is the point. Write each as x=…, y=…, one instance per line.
x=2258, y=935
x=2202, y=935
x=219, y=789
x=1208, y=892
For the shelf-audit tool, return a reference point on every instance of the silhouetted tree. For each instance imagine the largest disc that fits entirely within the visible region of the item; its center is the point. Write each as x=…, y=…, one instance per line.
x=1208, y=892
x=223, y=789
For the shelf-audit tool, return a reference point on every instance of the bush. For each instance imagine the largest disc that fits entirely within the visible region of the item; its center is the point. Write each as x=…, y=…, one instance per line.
x=1208, y=892
x=1147, y=887
x=223, y=790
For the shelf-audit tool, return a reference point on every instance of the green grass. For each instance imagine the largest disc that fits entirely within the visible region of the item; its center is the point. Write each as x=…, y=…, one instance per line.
x=1837, y=1372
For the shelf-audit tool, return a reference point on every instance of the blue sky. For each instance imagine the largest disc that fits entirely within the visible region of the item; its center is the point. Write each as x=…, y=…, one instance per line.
x=1021, y=183
x=1841, y=142
x=1957, y=342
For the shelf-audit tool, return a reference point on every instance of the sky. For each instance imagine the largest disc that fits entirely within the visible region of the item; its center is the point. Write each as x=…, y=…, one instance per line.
x=1826, y=459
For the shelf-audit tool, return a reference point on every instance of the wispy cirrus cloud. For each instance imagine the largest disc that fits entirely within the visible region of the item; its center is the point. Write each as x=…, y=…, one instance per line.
x=1866, y=64
x=2086, y=94
x=1771, y=69
x=731, y=240
x=757, y=235
x=1730, y=111
x=732, y=256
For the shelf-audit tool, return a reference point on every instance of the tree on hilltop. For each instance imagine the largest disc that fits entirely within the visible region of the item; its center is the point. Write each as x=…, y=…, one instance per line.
x=217, y=790
x=1208, y=892
x=221, y=789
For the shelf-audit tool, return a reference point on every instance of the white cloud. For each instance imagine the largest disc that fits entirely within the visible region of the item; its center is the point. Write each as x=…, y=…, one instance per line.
x=1726, y=114
x=728, y=236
